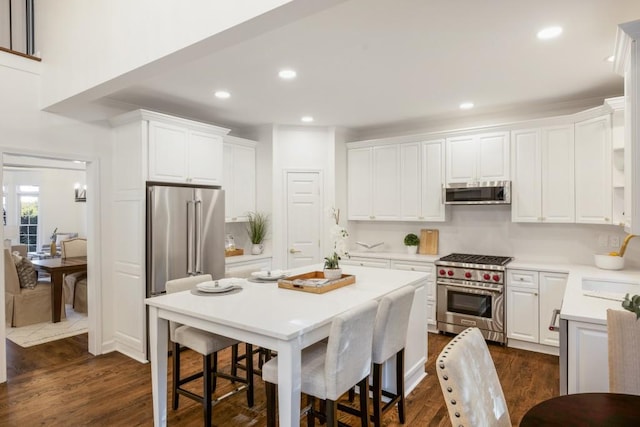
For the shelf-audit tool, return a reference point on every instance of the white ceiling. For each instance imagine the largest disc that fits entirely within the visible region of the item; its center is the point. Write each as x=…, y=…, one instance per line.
x=366, y=64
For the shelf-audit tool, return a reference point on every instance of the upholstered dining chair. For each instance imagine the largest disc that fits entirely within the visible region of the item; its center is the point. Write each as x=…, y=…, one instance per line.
x=74, y=247
x=75, y=284
x=331, y=368
x=623, y=330
x=389, y=336
x=208, y=345
x=470, y=383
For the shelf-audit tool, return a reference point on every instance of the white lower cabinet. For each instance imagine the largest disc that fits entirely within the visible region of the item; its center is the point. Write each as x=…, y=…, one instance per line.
x=532, y=297
x=588, y=360
x=430, y=290
x=366, y=262
x=244, y=268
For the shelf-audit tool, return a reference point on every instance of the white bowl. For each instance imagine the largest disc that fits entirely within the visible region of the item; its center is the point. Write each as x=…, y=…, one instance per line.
x=608, y=262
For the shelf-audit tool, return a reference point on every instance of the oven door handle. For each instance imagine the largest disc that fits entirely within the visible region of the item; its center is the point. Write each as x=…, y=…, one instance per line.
x=475, y=288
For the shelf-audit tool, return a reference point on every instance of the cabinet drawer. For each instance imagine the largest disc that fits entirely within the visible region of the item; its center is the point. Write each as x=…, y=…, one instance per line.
x=524, y=278
x=427, y=267
x=244, y=269
x=366, y=262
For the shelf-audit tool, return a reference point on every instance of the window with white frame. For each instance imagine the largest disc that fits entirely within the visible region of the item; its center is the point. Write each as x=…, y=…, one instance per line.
x=28, y=198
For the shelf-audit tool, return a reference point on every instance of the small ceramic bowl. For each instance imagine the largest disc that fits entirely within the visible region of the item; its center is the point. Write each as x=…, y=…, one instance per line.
x=608, y=262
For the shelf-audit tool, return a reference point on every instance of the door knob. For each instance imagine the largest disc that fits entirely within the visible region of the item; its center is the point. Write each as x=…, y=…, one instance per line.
x=294, y=251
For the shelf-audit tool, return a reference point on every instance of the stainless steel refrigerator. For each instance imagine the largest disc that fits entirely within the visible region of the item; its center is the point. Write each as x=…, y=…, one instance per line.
x=185, y=233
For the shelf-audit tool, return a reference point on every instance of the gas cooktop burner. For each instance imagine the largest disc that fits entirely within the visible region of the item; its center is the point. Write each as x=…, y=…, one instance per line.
x=476, y=259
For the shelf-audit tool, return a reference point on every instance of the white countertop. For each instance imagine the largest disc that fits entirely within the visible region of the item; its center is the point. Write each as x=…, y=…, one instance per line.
x=395, y=256
x=576, y=305
x=282, y=313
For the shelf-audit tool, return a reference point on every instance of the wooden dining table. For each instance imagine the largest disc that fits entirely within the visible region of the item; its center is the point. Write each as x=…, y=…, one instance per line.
x=57, y=268
x=585, y=409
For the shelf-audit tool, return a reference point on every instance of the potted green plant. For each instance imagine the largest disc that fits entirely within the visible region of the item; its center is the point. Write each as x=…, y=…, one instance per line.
x=257, y=229
x=411, y=241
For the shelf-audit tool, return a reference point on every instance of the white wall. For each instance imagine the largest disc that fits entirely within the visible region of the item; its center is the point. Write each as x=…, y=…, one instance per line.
x=489, y=230
x=300, y=148
x=27, y=130
x=90, y=43
x=57, y=205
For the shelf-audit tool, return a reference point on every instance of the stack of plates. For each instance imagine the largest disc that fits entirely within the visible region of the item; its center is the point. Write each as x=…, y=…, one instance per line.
x=270, y=275
x=217, y=286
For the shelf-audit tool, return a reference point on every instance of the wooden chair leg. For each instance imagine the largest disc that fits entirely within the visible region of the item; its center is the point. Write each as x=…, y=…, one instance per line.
x=377, y=395
x=175, y=374
x=400, y=384
x=352, y=394
x=207, y=379
x=311, y=416
x=271, y=391
x=364, y=401
x=331, y=413
x=213, y=373
x=249, y=372
x=234, y=360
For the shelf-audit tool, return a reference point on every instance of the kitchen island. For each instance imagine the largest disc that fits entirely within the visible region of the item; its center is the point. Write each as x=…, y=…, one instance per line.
x=285, y=321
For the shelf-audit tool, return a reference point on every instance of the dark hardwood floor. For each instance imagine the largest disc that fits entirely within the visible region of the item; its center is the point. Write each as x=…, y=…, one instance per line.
x=61, y=384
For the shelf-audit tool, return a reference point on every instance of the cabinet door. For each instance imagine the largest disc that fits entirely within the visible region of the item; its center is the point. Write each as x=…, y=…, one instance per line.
x=593, y=171
x=526, y=189
x=588, y=359
x=461, y=159
x=204, y=161
x=522, y=314
x=366, y=262
x=410, y=180
x=432, y=180
x=359, y=184
x=493, y=157
x=244, y=269
x=558, y=174
x=552, y=286
x=386, y=182
x=167, y=152
x=239, y=181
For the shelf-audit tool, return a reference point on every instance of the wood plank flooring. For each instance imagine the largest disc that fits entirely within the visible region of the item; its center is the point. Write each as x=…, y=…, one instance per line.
x=61, y=384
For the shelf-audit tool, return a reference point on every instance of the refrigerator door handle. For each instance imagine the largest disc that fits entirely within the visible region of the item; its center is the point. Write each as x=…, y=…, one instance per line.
x=190, y=236
x=198, y=236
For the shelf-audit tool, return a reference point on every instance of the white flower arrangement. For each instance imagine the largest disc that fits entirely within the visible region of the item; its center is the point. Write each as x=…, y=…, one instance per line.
x=339, y=236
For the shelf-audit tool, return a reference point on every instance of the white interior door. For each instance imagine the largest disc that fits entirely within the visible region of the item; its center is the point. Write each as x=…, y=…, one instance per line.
x=304, y=219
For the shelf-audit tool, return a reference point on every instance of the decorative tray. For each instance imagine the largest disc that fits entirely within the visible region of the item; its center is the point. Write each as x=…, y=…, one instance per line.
x=233, y=252
x=315, y=282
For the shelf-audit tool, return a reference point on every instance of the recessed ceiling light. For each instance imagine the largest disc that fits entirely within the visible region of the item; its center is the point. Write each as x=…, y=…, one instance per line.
x=549, y=33
x=222, y=94
x=287, y=74
x=307, y=119
x=466, y=105
x=610, y=58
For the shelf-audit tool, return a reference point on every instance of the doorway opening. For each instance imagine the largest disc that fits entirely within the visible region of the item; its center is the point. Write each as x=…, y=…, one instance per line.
x=40, y=209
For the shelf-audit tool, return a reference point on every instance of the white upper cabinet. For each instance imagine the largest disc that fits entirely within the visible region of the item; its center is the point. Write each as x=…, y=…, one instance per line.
x=396, y=182
x=593, y=170
x=386, y=182
x=432, y=180
x=183, y=155
x=239, y=181
x=421, y=181
x=359, y=186
x=474, y=158
x=543, y=180
x=558, y=174
x=373, y=187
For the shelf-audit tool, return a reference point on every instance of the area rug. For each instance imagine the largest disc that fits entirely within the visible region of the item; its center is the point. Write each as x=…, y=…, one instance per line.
x=27, y=336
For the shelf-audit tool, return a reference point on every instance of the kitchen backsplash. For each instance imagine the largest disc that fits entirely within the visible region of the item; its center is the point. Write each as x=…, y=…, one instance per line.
x=489, y=230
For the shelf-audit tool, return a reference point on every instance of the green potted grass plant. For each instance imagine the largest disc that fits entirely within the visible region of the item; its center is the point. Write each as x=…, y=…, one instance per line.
x=257, y=229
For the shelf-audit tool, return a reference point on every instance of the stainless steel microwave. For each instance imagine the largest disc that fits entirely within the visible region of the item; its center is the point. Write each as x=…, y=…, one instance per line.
x=478, y=193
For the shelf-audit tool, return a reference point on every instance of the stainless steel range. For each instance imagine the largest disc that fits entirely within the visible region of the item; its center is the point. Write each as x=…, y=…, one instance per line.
x=471, y=293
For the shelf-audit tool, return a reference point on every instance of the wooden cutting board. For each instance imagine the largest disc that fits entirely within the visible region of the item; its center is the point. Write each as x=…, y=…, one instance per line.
x=428, y=242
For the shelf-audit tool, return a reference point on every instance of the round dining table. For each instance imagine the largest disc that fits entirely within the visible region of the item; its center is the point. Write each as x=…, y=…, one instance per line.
x=585, y=409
